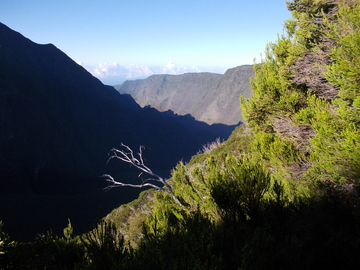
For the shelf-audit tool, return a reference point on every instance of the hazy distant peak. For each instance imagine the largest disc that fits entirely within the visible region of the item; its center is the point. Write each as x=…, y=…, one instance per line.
x=209, y=97
x=115, y=73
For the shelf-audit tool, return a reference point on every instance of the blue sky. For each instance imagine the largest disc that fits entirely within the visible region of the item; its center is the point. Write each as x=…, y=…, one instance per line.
x=197, y=35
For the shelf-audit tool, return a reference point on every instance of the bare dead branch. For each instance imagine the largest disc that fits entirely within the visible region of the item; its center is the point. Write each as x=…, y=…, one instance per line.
x=114, y=183
x=126, y=154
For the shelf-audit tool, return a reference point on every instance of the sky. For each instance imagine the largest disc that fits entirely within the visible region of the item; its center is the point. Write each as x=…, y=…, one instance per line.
x=116, y=39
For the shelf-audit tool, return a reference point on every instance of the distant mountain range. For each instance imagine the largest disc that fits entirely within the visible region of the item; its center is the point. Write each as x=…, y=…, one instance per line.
x=209, y=97
x=57, y=124
x=114, y=73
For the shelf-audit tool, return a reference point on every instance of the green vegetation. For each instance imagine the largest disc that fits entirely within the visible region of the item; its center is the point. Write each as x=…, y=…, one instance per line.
x=281, y=193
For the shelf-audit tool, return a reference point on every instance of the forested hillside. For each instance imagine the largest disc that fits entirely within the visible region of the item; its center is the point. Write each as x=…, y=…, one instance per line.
x=281, y=193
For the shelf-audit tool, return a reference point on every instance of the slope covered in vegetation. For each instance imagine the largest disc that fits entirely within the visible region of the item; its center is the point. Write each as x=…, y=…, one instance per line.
x=283, y=191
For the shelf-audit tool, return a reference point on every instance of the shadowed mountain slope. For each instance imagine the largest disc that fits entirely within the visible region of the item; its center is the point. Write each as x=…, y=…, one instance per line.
x=209, y=97
x=58, y=123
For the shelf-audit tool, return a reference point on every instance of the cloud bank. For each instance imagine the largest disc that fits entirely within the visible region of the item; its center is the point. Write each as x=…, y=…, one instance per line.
x=114, y=73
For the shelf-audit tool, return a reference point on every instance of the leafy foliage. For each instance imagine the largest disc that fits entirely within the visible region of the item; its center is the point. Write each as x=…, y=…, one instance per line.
x=344, y=72
x=239, y=187
x=104, y=248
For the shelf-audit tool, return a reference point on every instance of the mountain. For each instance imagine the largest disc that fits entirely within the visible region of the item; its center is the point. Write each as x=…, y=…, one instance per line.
x=209, y=97
x=58, y=123
x=221, y=103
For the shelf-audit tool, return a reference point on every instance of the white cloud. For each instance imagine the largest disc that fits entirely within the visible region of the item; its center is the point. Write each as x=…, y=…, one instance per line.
x=104, y=70
x=80, y=63
x=172, y=68
x=136, y=71
x=116, y=73
x=169, y=68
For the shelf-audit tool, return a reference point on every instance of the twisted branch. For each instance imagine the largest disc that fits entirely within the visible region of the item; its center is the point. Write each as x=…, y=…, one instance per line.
x=126, y=154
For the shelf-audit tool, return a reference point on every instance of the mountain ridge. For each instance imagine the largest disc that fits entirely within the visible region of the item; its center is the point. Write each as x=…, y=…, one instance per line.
x=209, y=97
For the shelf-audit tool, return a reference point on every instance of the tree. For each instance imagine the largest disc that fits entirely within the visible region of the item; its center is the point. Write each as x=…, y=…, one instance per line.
x=155, y=181
x=344, y=72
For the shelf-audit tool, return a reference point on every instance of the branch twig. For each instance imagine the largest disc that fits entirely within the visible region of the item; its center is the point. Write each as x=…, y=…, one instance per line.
x=127, y=155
